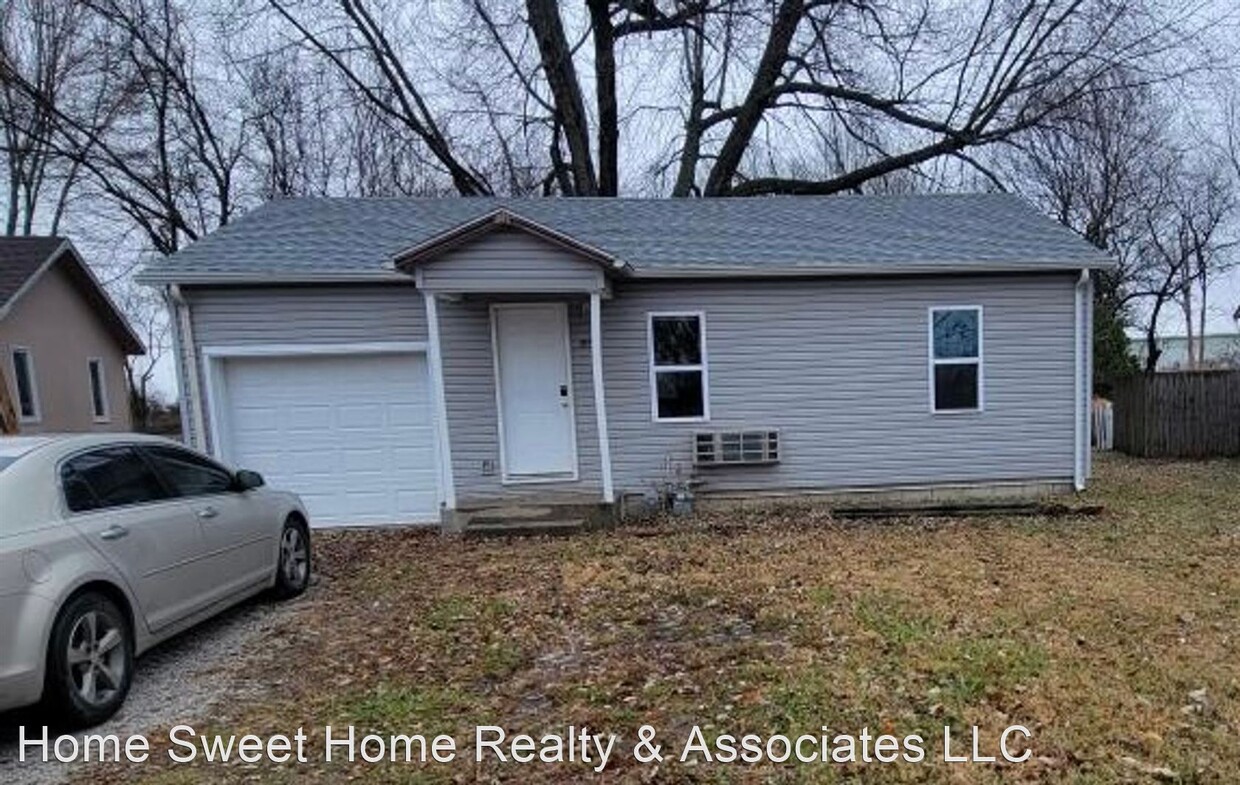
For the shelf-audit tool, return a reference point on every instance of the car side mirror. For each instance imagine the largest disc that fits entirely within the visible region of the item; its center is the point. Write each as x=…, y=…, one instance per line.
x=247, y=480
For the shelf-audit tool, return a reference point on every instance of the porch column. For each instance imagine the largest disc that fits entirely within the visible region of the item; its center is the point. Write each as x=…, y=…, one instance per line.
x=434, y=361
x=600, y=401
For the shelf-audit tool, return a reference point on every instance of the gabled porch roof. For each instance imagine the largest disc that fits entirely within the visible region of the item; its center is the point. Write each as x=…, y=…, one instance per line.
x=499, y=219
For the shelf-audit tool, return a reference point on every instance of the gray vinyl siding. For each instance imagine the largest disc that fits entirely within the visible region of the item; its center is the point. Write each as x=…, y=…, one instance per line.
x=511, y=261
x=307, y=314
x=236, y=316
x=840, y=368
x=469, y=387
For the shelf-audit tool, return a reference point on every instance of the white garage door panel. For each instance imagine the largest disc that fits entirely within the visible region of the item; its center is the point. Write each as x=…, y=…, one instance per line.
x=352, y=435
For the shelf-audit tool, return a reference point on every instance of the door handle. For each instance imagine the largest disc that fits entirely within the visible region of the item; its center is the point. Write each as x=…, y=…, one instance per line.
x=114, y=532
x=207, y=513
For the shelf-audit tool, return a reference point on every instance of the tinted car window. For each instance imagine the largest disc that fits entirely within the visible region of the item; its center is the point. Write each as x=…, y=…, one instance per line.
x=109, y=477
x=189, y=474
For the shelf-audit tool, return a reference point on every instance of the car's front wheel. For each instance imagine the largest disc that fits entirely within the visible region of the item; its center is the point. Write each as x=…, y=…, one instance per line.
x=293, y=569
x=90, y=661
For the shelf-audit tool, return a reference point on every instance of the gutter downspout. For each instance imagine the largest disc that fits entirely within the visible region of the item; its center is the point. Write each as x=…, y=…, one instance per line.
x=1081, y=382
x=187, y=368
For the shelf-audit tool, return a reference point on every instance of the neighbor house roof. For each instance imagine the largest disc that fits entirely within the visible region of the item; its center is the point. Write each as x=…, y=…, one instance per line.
x=355, y=239
x=24, y=261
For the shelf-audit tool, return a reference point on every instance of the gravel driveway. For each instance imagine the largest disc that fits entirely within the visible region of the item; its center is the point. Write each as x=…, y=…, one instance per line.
x=174, y=683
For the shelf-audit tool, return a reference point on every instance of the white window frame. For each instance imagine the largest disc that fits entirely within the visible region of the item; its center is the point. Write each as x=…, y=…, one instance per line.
x=33, y=376
x=979, y=360
x=106, y=416
x=703, y=367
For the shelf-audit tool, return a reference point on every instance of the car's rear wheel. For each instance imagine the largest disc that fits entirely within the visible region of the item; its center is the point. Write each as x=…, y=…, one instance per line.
x=293, y=570
x=89, y=662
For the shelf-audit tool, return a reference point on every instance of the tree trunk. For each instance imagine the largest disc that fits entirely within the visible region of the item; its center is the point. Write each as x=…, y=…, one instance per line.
x=557, y=61
x=774, y=55
x=1186, y=303
x=1152, y=351
x=605, y=92
x=1201, y=326
x=8, y=412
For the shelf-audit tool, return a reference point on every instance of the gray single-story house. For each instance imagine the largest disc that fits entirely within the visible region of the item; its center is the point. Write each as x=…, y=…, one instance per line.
x=408, y=360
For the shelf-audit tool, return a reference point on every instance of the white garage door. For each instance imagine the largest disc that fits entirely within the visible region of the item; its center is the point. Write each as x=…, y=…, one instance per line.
x=351, y=435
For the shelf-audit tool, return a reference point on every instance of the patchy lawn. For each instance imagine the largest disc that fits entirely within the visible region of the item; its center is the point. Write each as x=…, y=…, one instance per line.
x=1112, y=638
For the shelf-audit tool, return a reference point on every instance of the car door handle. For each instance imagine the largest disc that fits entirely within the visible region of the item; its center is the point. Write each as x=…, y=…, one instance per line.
x=115, y=532
x=207, y=513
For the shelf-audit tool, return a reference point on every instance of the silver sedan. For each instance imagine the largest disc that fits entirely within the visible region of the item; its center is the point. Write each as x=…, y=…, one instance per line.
x=111, y=544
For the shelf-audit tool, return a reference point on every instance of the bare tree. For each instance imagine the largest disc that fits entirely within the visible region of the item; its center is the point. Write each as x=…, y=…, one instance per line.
x=1183, y=245
x=366, y=57
x=148, y=317
x=51, y=61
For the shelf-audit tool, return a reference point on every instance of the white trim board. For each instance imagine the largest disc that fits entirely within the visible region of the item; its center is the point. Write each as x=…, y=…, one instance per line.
x=443, y=437
x=301, y=349
x=598, y=382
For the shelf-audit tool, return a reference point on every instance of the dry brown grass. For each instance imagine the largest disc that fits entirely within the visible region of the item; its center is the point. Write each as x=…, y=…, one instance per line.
x=1090, y=631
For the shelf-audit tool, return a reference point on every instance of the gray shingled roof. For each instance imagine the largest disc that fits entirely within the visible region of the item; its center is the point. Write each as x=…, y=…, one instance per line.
x=20, y=259
x=23, y=258
x=811, y=235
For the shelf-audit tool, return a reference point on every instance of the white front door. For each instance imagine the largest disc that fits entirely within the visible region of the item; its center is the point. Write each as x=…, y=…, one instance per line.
x=535, y=391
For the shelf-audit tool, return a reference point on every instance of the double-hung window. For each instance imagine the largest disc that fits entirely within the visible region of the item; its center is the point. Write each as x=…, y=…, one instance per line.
x=679, y=387
x=98, y=390
x=956, y=381
x=28, y=408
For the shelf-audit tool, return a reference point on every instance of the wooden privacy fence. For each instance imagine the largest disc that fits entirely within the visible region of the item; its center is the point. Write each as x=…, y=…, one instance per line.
x=1194, y=414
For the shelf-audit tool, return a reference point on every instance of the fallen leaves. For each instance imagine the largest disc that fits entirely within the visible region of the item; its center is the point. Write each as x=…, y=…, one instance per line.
x=1112, y=637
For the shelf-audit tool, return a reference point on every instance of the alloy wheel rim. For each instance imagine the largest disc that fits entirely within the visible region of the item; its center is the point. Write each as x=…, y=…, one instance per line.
x=294, y=559
x=96, y=657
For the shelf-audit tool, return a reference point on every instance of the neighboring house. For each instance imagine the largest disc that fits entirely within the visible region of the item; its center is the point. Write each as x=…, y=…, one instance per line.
x=63, y=342
x=402, y=359
x=1222, y=351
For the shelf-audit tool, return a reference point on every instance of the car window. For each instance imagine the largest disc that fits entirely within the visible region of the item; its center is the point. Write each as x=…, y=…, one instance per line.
x=5, y=462
x=109, y=477
x=189, y=474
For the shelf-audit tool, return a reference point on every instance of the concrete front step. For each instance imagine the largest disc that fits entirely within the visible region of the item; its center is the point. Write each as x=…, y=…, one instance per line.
x=523, y=527
x=529, y=517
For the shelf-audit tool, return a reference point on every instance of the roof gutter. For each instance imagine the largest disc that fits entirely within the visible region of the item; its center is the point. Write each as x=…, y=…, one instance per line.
x=390, y=275
x=154, y=277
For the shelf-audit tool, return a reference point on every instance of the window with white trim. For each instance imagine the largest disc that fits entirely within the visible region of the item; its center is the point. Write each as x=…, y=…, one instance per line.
x=98, y=390
x=679, y=388
x=956, y=359
x=28, y=408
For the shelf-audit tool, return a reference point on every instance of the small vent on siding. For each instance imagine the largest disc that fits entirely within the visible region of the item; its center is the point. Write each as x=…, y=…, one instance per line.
x=735, y=448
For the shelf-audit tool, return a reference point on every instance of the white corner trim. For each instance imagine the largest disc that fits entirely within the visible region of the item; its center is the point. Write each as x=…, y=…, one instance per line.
x=980, y=359
x=1088, y=372
x=600, y=397
x=190, y=358
x=703, y=367
x=434, y=360
x=1079, y=432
